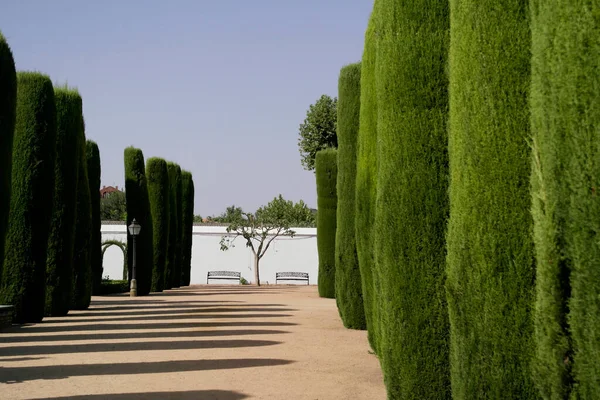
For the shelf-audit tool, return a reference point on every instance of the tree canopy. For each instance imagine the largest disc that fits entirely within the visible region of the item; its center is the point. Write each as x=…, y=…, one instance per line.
x=318, y=131
x=113, y=207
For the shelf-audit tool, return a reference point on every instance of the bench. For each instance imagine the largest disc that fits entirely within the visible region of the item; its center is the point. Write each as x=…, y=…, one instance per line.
x=230, y=275
x=291, y=276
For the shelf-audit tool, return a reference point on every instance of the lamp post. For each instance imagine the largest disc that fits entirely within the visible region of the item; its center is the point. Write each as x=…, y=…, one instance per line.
x=134, y=230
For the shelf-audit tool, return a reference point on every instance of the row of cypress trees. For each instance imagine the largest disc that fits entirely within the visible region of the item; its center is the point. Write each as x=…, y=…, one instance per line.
x=160, y=196
x=47, y=244
x=475, y=207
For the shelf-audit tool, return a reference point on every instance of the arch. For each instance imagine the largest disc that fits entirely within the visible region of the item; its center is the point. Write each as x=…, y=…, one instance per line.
x=123, y=246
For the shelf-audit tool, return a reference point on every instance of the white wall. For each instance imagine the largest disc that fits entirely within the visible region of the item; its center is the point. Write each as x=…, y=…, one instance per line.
x=298, y=254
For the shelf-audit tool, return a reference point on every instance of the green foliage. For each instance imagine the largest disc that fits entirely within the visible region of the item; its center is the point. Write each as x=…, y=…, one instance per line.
x=231, y=214
x=82, y=252
x=565, y=116
x=176, y=278
x=170, y=266
x=138, y=207
x=348, y=290
x=318, y=131
x=8, y=105
x=158, y=192
x=198, y=218
x=412, y=200
x=326, y=173
x=114, y=207
x=366, y=180
x=34, y=152
x=59, y=263
x=188, y=225
x=490, y=266
x=113, y=287
x=94, y=172
x=258, y=230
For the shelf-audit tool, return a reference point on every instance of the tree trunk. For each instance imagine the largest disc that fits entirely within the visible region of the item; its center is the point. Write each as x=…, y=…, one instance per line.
x=256, y=273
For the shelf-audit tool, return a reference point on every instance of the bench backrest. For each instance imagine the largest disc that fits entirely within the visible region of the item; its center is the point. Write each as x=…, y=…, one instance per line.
x=291, y=275
x=233, y=274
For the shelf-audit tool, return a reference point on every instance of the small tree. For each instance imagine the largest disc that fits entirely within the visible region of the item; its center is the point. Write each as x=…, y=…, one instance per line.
x=318, y=131
x=260, y=229
x=114, y=207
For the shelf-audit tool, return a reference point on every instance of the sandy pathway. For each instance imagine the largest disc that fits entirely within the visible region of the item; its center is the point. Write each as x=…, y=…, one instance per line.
x=201, y=342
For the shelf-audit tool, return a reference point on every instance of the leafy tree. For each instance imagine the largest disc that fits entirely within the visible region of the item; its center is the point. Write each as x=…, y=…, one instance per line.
x=318, y=131
x=113, y=207
x=197, y=218
x=261, y=228
x=231, y=214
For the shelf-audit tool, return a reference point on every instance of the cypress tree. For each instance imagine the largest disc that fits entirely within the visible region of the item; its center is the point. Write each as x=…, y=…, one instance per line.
x=326, y=173
x=34, y=152
x=172, y=241
x=94, y=174
x=8, y=104
x=565, y=123
x=176, y=282
x=138, y=207
x=490, y=268
x=82, y=267
x=366, y=174
x=188, y=226
x=412, y=203
x=348, y=290
x=59, y=264
x=158, y=192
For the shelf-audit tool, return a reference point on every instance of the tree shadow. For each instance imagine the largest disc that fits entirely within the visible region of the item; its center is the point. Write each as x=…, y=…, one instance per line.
x=166, y=306
x=166, y=317
x=22, y=374
x=188, y=395
x=36, y=349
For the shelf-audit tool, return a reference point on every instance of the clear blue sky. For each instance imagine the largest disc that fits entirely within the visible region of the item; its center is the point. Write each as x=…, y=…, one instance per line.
x=219, y=87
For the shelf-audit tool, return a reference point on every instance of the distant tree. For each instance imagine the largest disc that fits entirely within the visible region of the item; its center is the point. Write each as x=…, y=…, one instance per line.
x=231, y=214
x=197, y=218
x=318, y=131
x=261, y=228
x=113, y=207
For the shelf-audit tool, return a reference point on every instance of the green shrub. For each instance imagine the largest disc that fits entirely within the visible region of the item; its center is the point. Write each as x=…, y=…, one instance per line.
x=188, y=226
x=176, y=282
x=112, y=287
x=34, y=152
x=94, y=174
x=174, y=232
x=348, y=290
x=59, y=263
x=565, y=116
x=82, y=252
x=158, y=192
x=412, y=197
x=8, y=104
x=366, y=175
x=138, y=207
x=326, y=173
x=490, y=268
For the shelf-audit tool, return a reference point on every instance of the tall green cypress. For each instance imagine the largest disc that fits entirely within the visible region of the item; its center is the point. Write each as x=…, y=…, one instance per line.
x=82, y=267
x=326, y=173
x=412, y=197
x=173, y=225
x=34, y=153
x=366, y=174
x=59, y=264
x=490, y=266
x=176, y=282
x=348, y=286
x=188, y=225
x=565, y=124
x=8, y=107
x=158, y=192
x=138, y=207
x=94, y=174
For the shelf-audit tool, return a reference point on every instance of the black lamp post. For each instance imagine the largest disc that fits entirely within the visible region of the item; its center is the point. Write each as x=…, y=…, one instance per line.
x=134, y=230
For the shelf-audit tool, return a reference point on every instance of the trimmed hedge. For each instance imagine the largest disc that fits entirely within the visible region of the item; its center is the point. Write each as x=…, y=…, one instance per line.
x=112, y=287
x=8, y=108
x=490, y=264
x=188, y=226
x=82, y=266
x=94, y=174
x=158, y=192
x=176, y=282
x=366, y=180
x=565, y=116
x=138, y=207
x=171, y=268
x=34, y=152
x=61, y=242
x=412, y=196
x=326, y=173
x=348, y=289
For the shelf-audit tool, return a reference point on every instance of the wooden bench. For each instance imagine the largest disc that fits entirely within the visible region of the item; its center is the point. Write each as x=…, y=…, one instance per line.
x=291, y=276
x=229, y=275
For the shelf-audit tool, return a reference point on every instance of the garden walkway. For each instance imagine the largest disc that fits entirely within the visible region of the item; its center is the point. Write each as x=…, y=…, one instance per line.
x=200, y=343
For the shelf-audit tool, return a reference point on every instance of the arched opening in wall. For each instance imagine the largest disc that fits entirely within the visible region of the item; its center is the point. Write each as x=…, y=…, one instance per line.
x=110, y=266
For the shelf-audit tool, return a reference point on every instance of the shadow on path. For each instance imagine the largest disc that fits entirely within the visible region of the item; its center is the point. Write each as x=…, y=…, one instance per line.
x=190, y=395
x=197, y=315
